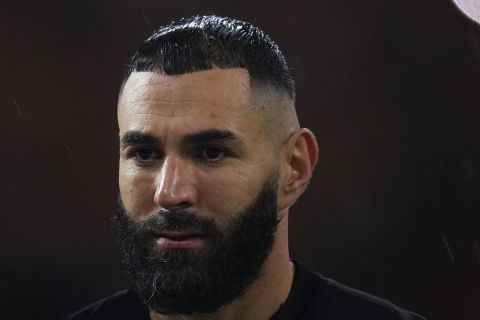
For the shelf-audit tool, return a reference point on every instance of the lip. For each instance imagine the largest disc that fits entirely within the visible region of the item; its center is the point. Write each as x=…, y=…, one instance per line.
x=180, y=240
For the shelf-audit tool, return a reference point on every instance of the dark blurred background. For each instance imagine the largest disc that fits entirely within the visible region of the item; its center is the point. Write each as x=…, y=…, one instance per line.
x=390, y=88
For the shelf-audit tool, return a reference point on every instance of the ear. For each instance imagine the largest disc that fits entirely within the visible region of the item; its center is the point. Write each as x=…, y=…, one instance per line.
x=299, y=157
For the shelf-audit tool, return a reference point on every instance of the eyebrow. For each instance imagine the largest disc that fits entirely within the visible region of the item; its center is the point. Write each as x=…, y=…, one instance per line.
x=136, y=137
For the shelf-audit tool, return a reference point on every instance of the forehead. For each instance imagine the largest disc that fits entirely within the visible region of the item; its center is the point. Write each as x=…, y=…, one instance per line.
x=221, y=95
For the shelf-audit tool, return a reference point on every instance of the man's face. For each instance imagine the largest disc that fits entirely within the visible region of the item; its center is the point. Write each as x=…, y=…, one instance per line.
x=198, y=184
x=193, y=141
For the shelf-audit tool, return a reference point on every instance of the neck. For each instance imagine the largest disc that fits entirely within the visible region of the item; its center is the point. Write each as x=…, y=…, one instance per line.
x=271, y=288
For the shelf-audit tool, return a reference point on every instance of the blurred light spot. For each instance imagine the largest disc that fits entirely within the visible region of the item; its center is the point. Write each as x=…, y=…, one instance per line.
x=17, y=107
x=449, y=249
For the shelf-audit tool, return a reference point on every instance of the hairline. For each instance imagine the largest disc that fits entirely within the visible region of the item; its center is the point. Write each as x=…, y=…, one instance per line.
x=259, y=88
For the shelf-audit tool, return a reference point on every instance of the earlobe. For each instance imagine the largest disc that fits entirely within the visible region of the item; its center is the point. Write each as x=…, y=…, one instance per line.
x=301, y=156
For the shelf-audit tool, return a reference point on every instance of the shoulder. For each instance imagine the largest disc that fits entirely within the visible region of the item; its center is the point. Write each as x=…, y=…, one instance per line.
x=335, y=301
x=120, y=305
x=346, y=301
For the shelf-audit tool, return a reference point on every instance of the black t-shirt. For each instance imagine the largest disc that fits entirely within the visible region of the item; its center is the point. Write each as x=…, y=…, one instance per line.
x=312, y=297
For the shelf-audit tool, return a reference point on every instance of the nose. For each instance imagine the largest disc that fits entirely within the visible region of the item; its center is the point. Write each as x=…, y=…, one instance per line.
x=175, y=185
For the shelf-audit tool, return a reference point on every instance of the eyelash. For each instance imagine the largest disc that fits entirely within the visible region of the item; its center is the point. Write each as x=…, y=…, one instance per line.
x=198, y=154
x=223, y=153
x=134, y=153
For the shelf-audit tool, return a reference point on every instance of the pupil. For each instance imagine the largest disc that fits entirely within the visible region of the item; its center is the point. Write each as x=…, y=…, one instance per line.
x=212, y=153
x=144, y=154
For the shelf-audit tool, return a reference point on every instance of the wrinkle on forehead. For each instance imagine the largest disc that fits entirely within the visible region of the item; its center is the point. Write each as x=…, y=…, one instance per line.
x=145, y=101
x=216, y=92
x=190, y=108
x=210, y=84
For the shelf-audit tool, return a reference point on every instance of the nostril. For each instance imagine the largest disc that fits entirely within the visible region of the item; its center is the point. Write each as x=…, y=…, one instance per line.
x=183, y=206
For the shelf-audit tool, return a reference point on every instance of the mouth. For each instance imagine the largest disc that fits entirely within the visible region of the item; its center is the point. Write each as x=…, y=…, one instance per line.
x=180, y=240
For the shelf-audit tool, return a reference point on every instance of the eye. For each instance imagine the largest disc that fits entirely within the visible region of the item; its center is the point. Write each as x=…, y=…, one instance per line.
x=145, y=154
x=212, y=154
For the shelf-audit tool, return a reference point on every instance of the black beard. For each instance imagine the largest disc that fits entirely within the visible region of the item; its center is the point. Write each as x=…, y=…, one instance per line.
x=179, y=281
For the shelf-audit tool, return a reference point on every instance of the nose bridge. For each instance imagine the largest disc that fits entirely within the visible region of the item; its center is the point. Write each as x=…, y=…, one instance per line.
x=174, y=183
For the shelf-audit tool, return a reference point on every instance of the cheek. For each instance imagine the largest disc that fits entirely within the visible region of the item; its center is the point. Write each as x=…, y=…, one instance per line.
x=136, y=190
x=226, y=193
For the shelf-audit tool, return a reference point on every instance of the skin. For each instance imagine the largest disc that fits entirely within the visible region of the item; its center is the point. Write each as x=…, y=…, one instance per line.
x=216, y=177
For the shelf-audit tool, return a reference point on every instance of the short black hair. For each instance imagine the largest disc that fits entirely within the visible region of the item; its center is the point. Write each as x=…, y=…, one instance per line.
x=204, y=42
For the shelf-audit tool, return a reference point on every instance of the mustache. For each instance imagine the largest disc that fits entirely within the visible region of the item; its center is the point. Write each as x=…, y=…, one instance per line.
x=178, y=220
x=169, y=220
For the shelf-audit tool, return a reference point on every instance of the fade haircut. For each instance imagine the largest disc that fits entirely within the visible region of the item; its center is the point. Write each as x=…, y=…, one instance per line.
x=204, y=42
